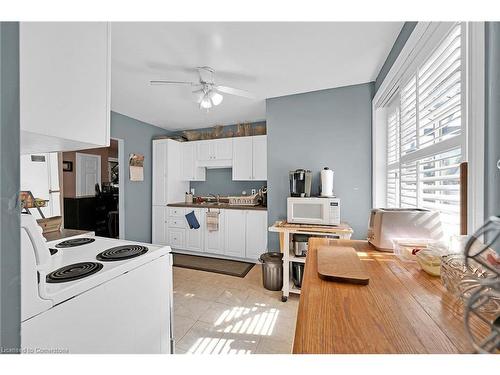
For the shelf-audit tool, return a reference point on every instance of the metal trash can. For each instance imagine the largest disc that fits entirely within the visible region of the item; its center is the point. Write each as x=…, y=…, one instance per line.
x=272, y=270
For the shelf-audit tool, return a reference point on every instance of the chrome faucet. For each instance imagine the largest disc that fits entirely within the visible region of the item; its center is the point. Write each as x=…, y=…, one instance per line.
x=217, y=197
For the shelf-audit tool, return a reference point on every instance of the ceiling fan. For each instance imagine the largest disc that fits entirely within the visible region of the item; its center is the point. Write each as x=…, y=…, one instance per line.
x=207, y=93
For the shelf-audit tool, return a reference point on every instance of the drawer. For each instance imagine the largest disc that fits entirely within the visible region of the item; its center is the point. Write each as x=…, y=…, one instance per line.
x=177, y=222
x=176, y=238
x=176, y=211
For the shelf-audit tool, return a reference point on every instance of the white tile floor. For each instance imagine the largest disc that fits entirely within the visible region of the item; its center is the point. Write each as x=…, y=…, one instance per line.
x=219, y=314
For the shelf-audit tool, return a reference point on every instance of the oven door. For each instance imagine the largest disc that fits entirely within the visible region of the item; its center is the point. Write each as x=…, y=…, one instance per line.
x=308, y=211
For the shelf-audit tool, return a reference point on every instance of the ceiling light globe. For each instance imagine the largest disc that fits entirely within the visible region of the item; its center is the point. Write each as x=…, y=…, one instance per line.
x=206, y=103
x=215, y=97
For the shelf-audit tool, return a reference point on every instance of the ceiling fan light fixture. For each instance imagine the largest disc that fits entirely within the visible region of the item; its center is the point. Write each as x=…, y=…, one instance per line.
x=205, y=102
x=215, y=97
x=198, y=95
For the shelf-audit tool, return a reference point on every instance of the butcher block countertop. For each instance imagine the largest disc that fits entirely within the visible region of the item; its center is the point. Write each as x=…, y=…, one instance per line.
x=401, y=310
x=225, y=206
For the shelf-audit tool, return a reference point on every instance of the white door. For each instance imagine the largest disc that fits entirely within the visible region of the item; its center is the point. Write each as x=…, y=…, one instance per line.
x=223, y=148
x=242, y=159
x=194, y=237
x=88, y=173
x=159, y=172
x=40, y=174
x=203, y=150
x=159, y=225
x=214, y=241
x=234, y=230
x=256, y=233
x=259, y=152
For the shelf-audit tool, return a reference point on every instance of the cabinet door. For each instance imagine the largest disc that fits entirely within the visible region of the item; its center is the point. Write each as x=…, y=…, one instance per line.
x=223, y=149
x=159, y=225
x=176, y=238
x=259, y=153
x=203, y=151
x=256, y=234
x=234, y=233
x=159, y=173
x=242, y=159
x=214, y=241
x=187, y=161
x=64, y=73
x=194, y=237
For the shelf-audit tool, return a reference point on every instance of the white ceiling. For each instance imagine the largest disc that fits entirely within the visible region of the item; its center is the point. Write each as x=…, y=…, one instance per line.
x=267, y=59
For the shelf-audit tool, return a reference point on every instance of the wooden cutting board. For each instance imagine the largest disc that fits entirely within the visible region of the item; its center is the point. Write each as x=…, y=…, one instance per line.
x=341, y=264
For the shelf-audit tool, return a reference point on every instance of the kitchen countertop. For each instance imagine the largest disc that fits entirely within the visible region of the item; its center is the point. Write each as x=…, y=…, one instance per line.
x=225, y=206
x=401, y=310
x=65, y=233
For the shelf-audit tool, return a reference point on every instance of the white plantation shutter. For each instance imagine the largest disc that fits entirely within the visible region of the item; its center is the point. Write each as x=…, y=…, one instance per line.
x=425, y=135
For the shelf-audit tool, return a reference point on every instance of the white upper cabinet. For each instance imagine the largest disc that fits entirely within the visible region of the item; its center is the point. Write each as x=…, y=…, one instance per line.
x=256, y=234
x=250, y=158
x=215, y=153
x=259, y=157
x=203, y=150
x=168, y=185
x=235, y=230
x=189, y=164
x=159, y=173
x=64, y=85
x=242, y=159
x=222, y=149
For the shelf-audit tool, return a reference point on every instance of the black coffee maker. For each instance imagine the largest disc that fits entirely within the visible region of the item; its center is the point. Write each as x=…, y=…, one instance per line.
x=300, y=183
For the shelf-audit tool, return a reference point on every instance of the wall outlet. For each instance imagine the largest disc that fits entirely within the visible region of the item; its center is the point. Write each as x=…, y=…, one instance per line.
x=254, y=191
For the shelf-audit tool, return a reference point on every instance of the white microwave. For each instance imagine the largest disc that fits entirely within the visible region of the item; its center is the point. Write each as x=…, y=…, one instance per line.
x=321, y=211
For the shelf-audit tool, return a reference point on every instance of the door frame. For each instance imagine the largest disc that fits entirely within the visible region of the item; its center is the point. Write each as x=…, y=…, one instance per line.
x=78, y=160
x=121, y=187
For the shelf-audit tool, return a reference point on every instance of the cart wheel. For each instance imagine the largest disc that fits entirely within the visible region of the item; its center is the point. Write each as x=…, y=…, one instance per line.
x=284, y=299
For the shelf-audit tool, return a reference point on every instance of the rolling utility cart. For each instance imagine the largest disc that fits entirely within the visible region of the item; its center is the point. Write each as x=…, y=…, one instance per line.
x=287, y=230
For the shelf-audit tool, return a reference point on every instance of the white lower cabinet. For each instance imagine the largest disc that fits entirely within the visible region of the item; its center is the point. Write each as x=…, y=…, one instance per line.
x=176, y=238
x=159, y=225
x=194, y=237
x=242, y=233
x=214, y=241
x=235, y=232
x=256, y=234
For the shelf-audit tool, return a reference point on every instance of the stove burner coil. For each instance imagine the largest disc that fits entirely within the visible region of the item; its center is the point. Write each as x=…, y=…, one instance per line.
x=73, y=272
x=122, y=253
x=75, y=242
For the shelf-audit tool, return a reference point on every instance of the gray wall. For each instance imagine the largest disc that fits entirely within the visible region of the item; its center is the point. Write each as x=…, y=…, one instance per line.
x=137, y=136
x=492, y=120
x=10, y=290
x=317, y=129
x=220, y=181
x=403, y=36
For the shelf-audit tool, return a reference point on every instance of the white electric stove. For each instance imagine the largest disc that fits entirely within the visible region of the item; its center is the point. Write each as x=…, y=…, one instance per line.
x=87, y=294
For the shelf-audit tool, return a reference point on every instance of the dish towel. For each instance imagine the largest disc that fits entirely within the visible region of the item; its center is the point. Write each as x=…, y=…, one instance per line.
x=192, y=220
x=212, y=221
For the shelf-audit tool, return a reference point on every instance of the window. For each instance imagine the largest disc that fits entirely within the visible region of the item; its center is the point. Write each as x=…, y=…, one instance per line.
x=426, y=136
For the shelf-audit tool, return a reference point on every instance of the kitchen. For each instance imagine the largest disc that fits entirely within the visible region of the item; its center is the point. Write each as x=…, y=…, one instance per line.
x=225, y=214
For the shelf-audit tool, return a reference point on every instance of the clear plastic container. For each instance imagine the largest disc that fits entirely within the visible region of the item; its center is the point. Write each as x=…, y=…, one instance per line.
x=407, y=249
x=430, y=261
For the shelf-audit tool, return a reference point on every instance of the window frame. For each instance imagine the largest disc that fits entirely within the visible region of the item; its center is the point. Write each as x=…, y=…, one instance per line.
x=422, y=42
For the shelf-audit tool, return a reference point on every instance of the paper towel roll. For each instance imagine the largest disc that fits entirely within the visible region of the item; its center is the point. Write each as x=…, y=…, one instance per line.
x=326, y=182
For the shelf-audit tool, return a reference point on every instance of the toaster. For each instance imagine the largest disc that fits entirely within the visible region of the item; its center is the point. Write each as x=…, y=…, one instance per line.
x=387, y=224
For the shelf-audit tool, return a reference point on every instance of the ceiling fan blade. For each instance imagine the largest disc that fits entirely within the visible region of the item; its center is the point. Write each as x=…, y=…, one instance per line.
x=163, y=82
x=234, y=91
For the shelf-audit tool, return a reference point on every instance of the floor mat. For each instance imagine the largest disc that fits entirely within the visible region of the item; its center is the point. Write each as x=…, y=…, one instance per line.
x=216, y=265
